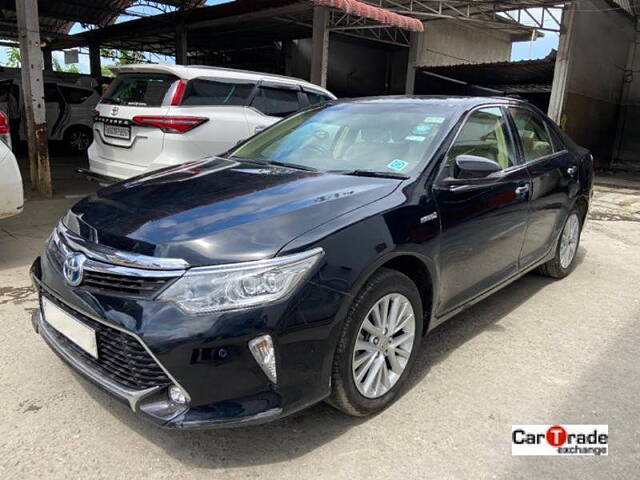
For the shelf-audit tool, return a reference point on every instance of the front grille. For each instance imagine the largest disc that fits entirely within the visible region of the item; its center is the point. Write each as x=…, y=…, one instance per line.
x=121, y=356
x=126, y=284
x=110, y=282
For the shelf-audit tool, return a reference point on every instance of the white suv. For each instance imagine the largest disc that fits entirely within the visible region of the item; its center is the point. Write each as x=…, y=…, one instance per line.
x=152, y=116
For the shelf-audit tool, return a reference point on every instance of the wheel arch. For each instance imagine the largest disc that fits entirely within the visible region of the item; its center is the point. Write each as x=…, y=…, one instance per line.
x=582, y=205
x=421, y=270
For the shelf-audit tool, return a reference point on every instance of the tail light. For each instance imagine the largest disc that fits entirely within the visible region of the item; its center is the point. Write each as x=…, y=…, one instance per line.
x=4, y=123
x=5, y=129
x=178, y=92
x=170, y=123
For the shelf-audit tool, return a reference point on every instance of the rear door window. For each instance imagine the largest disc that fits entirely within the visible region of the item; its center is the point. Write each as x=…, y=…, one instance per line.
x=51, y=93
x=139, y=89
x=203, y=91
x=75, y=95
x=276, y=102
x=534, y=136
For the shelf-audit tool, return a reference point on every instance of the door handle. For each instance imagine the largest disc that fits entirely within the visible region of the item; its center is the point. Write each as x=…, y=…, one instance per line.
x=522, y=189
x=259, y=128
x=572, y=170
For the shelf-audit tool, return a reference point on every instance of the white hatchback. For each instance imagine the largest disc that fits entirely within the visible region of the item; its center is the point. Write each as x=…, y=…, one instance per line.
x=153, y=116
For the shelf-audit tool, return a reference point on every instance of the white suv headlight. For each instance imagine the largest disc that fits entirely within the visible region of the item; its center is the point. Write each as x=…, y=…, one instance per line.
x=240, y=285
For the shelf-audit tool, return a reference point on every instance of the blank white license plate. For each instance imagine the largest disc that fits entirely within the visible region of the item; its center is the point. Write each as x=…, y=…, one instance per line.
x=117, y=131
x=74, y=330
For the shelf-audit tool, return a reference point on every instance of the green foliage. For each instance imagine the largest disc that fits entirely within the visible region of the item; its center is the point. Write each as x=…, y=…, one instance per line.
x=13, y=57
x=73, y=68
x=106, y=71
x=123, y=57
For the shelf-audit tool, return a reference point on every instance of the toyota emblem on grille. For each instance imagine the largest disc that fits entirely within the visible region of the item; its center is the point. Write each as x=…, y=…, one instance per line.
x=72, y=269
x=114, y=111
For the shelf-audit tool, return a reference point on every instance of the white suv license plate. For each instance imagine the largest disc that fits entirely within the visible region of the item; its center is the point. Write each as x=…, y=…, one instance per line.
x=117, y=131
x=74, y=330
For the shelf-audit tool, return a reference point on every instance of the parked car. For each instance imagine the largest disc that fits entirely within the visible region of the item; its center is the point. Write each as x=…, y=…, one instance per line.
x=153, y=116
x=11, y=194
x=307, y=263
x=68, y=108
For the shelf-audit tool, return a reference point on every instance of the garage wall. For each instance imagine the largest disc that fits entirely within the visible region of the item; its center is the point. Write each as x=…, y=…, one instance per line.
x=598, y=51
x=450, y=43
x=356, y=67
x=627, y=146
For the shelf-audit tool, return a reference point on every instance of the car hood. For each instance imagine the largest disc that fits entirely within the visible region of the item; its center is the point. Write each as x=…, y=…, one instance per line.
x=218, y=210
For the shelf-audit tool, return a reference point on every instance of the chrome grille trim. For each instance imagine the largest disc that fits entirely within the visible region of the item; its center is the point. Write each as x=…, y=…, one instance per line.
x=105, y=276
x=109, y=255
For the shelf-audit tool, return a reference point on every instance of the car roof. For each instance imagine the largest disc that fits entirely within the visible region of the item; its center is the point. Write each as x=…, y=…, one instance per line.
x=195, y=71
x=461, y=101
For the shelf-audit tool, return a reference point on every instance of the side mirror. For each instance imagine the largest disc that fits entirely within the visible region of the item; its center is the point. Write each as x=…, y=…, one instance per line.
x=472, y=166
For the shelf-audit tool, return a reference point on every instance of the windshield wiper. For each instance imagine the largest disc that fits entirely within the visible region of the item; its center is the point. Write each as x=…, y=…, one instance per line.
x=260, y=161
x=372, y=173
x=291, y=165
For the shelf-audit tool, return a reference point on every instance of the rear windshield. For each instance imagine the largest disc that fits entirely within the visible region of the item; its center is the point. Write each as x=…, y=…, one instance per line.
x=206, y=91
x=139, y=89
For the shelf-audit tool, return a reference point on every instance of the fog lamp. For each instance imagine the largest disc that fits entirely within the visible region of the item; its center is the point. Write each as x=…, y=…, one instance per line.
x=176, y=395
x=263, y=351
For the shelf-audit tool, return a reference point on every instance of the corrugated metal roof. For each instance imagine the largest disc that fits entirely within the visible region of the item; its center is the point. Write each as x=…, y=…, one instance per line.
x=58, y=16
x=499, y=73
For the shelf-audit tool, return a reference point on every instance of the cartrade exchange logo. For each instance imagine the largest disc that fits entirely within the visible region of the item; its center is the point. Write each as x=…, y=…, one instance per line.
x=560, y=440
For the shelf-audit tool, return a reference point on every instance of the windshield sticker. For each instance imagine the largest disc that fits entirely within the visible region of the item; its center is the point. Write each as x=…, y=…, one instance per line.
x=433, y=119
x=421, y=129
x=415, y=138
x=398, y=165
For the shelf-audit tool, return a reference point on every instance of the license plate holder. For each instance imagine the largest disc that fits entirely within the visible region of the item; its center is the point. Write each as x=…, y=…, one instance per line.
x=76, y=331
x=117, y=131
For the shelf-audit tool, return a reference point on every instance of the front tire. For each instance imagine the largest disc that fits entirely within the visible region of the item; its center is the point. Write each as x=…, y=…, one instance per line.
x=564, y=261
x=378, y=344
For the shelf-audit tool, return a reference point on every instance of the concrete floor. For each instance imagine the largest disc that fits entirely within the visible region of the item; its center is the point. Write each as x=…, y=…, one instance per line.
x=538, y=352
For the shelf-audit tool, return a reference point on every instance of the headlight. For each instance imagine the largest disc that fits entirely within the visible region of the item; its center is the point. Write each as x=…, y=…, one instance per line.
x=241, y=285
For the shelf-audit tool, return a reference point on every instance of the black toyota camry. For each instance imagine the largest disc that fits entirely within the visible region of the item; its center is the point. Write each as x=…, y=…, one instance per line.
x=307, y=263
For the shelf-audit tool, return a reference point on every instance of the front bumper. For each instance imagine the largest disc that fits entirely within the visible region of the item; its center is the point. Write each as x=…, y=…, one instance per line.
x=224, y=392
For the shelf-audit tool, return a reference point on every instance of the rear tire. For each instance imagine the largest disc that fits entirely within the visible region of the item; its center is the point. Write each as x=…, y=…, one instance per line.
x=78, y=139
x=374, y=356
x=564, y=260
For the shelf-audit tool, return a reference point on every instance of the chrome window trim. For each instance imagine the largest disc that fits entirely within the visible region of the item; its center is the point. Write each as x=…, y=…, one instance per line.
x=36, y=281
x=107, y=254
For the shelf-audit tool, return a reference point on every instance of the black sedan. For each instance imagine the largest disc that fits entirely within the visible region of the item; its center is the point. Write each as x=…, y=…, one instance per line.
x=307, y=263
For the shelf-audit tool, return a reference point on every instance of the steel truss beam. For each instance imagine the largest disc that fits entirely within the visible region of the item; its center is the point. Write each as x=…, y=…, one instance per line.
x=523, y=16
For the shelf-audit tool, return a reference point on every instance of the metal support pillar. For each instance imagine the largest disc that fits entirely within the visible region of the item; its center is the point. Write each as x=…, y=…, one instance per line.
x=33, y=95
x=47, y=58
x=562, y=66
x=320, y=46
x=181, y=44
x=95, y=68
x=415, y=47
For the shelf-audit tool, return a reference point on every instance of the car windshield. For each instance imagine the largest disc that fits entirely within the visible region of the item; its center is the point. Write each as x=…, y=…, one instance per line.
x=385, y=137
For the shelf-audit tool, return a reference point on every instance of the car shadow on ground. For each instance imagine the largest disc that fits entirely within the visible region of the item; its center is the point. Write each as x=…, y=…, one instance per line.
x=305, y=431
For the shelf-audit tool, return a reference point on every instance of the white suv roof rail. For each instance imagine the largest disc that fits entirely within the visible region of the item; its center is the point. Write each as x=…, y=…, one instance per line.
x=194, y=71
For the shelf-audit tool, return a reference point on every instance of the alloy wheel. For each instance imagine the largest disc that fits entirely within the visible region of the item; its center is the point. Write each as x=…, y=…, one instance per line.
x=569, y=240
x=383, y=346
x=79, y=140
